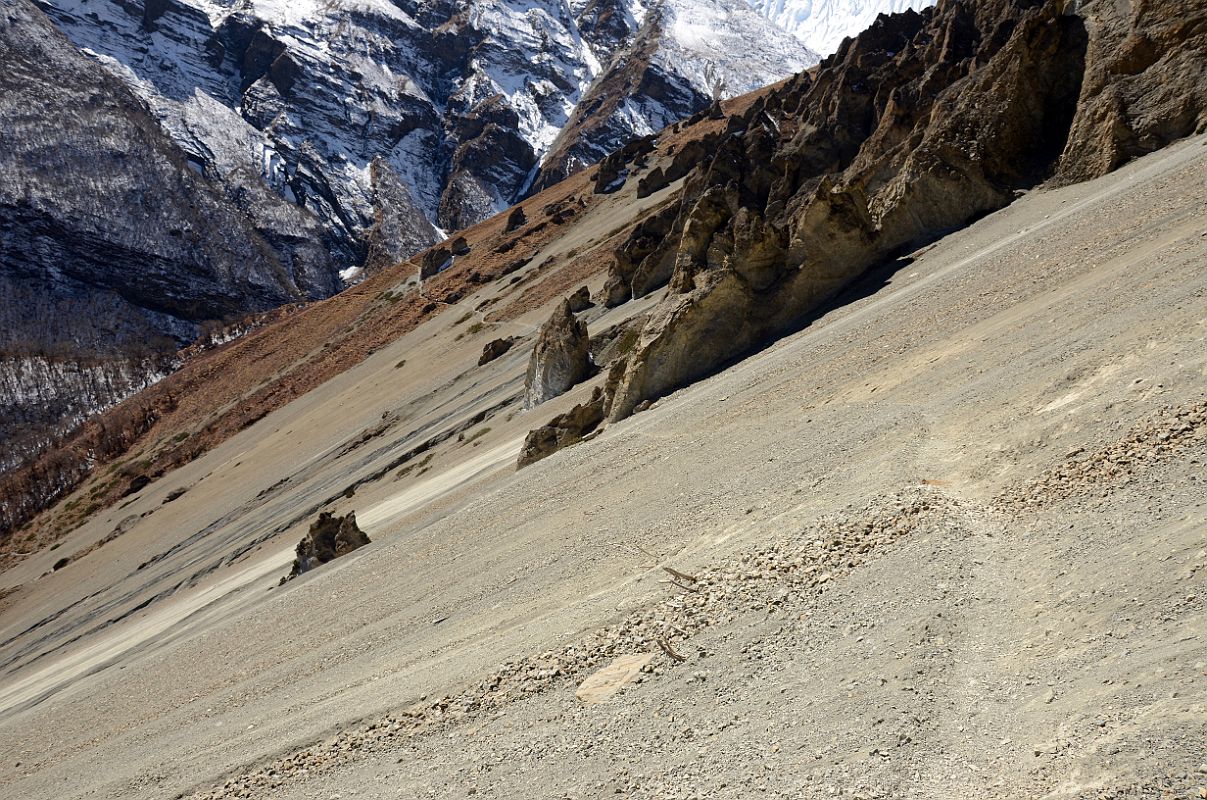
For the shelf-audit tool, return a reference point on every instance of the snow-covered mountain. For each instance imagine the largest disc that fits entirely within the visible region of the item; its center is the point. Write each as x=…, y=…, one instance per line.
x=393, y=120
x=169, y=162
x=823, y=24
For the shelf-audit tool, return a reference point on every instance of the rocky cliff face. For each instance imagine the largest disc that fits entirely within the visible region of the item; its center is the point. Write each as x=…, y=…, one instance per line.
x=918, y=126
x=389, y=121
x=112, y=246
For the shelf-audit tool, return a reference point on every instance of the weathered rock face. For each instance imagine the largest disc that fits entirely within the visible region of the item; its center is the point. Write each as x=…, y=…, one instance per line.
x=644, y=262
x=112, y=247
x=563, y=430
x=386, y=119
x=918, y=126
x=329, y=538
x=560, y=359
x=1143, y=87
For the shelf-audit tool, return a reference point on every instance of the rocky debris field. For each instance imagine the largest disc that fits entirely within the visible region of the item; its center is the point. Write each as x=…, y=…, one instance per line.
x=723, y=698
x=781, y=579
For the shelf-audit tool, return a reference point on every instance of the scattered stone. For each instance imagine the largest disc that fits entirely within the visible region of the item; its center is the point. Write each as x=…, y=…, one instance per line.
x=605, y=683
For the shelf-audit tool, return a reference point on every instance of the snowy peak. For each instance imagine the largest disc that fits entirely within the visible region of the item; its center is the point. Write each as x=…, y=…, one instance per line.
x=412, y=116
x=823, y=24
x=727, y=50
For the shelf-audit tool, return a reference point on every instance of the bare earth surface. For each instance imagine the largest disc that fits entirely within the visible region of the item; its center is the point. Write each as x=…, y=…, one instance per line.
x=950, y=539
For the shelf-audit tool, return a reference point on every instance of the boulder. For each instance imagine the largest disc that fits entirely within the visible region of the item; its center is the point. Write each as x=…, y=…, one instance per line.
x=329, y=538
x=560, y=359
x=581, y=300
x=516, y=219
x=563, y=430
x=495, y=349
x=435, y=261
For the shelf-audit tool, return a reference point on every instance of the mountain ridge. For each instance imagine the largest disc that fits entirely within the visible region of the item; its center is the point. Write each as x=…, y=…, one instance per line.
x=823, y=24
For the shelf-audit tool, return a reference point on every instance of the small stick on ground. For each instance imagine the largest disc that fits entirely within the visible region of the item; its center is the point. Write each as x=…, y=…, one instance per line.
x=683, y=576
x=670, y=651
x=682, y=586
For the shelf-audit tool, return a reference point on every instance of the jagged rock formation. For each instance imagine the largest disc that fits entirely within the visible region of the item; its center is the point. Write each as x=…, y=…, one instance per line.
x=644, y=263
x=561, y=357
x=918, y=126
x=329, y=538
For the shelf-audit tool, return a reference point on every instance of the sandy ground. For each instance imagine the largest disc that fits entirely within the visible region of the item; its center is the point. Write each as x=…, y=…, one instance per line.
x=908, y=586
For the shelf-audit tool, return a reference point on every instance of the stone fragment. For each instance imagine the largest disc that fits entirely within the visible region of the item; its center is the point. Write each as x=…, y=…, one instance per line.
x=605, y=683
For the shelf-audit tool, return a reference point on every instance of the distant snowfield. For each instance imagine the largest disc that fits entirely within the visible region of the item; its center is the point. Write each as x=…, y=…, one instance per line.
x=823, y=24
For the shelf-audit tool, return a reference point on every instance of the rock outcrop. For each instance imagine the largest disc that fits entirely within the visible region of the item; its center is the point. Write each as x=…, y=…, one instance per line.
x=563, y=430
x=916, y=127
x=581, y=300
x=919, y=125
x=329, y=538
x=516, y=219
x=560, y=359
